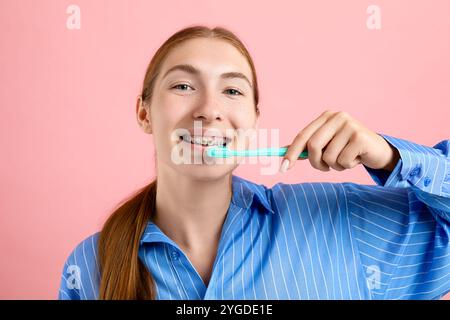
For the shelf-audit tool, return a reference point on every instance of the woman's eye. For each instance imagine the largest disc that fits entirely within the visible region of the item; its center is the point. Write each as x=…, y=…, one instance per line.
x=182, y=87
x=233, y=92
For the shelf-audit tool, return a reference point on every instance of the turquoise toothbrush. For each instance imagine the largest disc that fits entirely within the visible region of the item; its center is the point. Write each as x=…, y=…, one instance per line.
x=224, y=152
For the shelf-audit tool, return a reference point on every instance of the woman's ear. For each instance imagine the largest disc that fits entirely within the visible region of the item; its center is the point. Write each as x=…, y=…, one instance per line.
x=257, y=120
x=143, y=115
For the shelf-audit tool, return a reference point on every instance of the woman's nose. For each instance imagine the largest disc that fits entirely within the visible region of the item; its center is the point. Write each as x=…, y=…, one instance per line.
x=208, y=111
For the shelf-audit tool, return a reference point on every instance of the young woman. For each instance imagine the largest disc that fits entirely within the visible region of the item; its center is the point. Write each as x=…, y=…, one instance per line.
x=199, y=232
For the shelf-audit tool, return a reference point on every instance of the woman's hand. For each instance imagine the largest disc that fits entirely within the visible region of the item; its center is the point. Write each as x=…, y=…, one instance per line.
x=338, y=141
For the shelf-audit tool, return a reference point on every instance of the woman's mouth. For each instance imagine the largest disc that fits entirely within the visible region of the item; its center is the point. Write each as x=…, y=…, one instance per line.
x=206, y=141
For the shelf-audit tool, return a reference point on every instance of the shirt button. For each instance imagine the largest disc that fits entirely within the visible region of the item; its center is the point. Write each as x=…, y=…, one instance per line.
x=427, y=182
x=447, y=177
x=414, y=172
x=175, y=255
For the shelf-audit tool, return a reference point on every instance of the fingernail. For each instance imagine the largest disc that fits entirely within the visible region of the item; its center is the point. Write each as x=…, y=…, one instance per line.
x=284, y=165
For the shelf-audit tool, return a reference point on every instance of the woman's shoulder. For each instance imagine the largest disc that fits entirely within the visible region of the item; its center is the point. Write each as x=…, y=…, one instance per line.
x=80, y=276
x=339, y=189
x=282, y=191
x=310, y=196
x=85, y=249
x=286, y=199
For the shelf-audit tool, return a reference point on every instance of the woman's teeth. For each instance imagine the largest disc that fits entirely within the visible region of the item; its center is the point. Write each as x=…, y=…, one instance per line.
x=205, y=141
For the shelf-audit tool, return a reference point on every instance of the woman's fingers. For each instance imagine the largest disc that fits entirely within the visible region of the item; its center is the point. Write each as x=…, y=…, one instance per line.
x=350, y=155
x=335, y=147
x=338, y=141
x=321, y=139
x=328, y=140
x=300, y=141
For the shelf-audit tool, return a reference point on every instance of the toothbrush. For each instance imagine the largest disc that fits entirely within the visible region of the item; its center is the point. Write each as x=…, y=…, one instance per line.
x=224, y=152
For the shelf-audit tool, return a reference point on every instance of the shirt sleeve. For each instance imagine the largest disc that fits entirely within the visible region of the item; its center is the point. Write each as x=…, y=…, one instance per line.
x=80, y=275
x=402, y=225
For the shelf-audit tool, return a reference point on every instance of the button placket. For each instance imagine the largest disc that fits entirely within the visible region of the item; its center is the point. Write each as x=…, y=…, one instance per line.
x=171, y=253
x=175, y=255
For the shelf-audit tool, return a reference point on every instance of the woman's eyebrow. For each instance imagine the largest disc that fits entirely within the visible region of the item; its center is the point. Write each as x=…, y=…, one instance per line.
x=192, y=70
x=230, y=75
x=183, y=67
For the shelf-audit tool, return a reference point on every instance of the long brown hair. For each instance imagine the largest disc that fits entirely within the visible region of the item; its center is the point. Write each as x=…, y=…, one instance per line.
x=123, y=275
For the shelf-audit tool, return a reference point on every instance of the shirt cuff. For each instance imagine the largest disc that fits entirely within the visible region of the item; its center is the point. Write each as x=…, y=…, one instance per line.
x=420, y=166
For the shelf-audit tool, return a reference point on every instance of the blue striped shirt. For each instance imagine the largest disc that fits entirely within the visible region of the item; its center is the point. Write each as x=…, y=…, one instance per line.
x=311, y=240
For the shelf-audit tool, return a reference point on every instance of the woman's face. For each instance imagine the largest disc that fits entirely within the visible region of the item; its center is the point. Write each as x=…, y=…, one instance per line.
x=203, y=83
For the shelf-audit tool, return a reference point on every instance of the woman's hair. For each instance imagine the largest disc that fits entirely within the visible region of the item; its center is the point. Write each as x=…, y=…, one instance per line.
x=123, y=274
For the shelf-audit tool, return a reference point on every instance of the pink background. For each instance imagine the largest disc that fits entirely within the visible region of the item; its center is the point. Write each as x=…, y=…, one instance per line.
x=71, y=147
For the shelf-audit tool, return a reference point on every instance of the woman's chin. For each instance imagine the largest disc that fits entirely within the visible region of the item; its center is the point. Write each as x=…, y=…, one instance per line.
x=205, y=171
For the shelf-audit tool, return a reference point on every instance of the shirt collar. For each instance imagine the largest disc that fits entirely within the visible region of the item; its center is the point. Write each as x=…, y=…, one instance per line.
x=247, y=193
x=244, y=195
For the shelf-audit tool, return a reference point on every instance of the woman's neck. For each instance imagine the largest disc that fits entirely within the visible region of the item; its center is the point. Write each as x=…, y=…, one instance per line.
x=191, y=212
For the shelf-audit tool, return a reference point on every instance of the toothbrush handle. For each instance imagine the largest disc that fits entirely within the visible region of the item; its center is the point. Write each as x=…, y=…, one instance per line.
x=270, y=152
x=282, y=151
